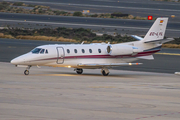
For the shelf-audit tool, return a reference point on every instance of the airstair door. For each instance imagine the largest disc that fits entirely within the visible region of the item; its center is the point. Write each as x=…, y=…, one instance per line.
x=60, y=55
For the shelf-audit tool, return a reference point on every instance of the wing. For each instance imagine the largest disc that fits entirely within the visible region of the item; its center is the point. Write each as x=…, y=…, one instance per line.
x=149, y=57
x=101, y=65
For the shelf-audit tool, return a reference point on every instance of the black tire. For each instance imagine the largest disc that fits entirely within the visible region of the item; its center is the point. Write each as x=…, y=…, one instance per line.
x=104, y=73
x=79, y=71
x=26, y=72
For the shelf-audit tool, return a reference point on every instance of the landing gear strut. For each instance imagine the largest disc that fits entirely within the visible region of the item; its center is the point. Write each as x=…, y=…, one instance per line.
x=105, y=71
x=26, y=72
x=78, y=70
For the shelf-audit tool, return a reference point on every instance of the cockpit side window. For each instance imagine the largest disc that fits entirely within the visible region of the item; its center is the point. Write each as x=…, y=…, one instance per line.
x=36, y=50
x=46, y=51
x=42, y=51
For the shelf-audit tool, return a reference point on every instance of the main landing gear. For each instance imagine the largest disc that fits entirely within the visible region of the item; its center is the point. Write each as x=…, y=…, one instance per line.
x=105, y=71
x=26, y=72
x=78, y=70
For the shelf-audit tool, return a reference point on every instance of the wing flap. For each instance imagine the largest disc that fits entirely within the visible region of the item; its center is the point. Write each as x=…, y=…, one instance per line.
x=107, y=64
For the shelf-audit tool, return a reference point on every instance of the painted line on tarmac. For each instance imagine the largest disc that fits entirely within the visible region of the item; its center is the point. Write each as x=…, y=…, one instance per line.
x=162, y=115
x=90, y=5
x=90, y=25
x=175, y=4
x=176, y=54
x=75, y=24
x=54, y=75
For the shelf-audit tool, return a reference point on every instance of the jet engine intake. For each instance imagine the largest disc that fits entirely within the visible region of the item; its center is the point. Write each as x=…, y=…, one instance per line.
x=122, y=50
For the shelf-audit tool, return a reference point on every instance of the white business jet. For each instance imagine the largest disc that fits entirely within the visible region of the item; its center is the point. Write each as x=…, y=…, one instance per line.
x=96, y=55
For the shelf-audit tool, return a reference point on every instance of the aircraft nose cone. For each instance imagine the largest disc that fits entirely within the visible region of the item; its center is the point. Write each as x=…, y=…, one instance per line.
x=14, y=61
x=17, y=61
x=20, y=60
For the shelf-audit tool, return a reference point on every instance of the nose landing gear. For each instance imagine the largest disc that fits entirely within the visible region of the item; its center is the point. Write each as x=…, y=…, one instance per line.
x=26, y=72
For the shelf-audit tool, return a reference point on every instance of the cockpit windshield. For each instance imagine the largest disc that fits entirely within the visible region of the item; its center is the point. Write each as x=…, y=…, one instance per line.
x=36, y=50
x=39, y=50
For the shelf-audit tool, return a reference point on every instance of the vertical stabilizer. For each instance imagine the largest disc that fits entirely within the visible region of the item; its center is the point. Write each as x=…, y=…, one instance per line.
x=157, y=31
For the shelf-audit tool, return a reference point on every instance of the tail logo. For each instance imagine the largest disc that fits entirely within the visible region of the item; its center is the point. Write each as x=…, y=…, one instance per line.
x=161, y=21
x=156, y=34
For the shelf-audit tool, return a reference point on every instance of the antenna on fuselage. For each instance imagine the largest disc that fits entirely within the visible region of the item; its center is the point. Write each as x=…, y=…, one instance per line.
x=82, y=43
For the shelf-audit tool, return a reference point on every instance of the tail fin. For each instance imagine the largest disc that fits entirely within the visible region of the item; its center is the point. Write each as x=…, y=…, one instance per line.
x=157, y=31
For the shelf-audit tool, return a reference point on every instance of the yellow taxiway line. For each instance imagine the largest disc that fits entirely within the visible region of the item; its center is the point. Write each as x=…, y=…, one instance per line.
x=168, y=54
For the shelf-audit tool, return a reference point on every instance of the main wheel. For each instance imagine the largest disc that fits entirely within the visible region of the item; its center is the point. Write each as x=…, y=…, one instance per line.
x=104, y=73
x=79, y=71
x=26, y=72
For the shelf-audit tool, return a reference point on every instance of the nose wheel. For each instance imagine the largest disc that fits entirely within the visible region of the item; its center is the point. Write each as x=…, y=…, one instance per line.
x=26, y=72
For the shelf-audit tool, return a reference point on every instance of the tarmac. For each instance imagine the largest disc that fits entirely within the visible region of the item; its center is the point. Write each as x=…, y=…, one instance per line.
x=60, y=94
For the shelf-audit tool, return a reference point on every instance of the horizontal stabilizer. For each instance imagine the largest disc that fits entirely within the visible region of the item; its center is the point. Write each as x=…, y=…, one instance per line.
x=136, y=37
x=107, y=64
x=160, y=41
x=149, y=57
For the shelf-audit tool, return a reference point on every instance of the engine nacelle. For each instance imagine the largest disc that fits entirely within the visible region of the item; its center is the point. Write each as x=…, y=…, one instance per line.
x=118, y=49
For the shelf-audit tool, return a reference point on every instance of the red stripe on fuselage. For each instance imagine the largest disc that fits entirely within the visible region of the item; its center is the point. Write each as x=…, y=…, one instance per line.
x=104, y=56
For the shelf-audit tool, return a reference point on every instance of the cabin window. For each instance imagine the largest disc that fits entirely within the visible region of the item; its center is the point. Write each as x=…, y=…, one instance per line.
x=36, y=50
x=90, y=50
x=42, y=51
x=99, y=50
x=68, y=51
x=75, y=50
x=83, y=51
x=46, y=51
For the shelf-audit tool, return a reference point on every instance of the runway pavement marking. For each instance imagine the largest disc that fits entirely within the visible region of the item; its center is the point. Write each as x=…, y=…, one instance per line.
x=134, y=2
x=89, y=25
x=158, y=115
x=55, y=75
x=90, y=5
x=11, y=47
x=96, y=87
x=176, y=54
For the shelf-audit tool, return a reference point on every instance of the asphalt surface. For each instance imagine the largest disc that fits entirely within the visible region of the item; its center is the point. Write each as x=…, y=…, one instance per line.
x=11, y=48
x=138, y=27
x=60, y=94
x=135, y=7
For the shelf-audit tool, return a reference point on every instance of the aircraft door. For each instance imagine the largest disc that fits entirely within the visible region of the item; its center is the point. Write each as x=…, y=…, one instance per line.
x=60, y=55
